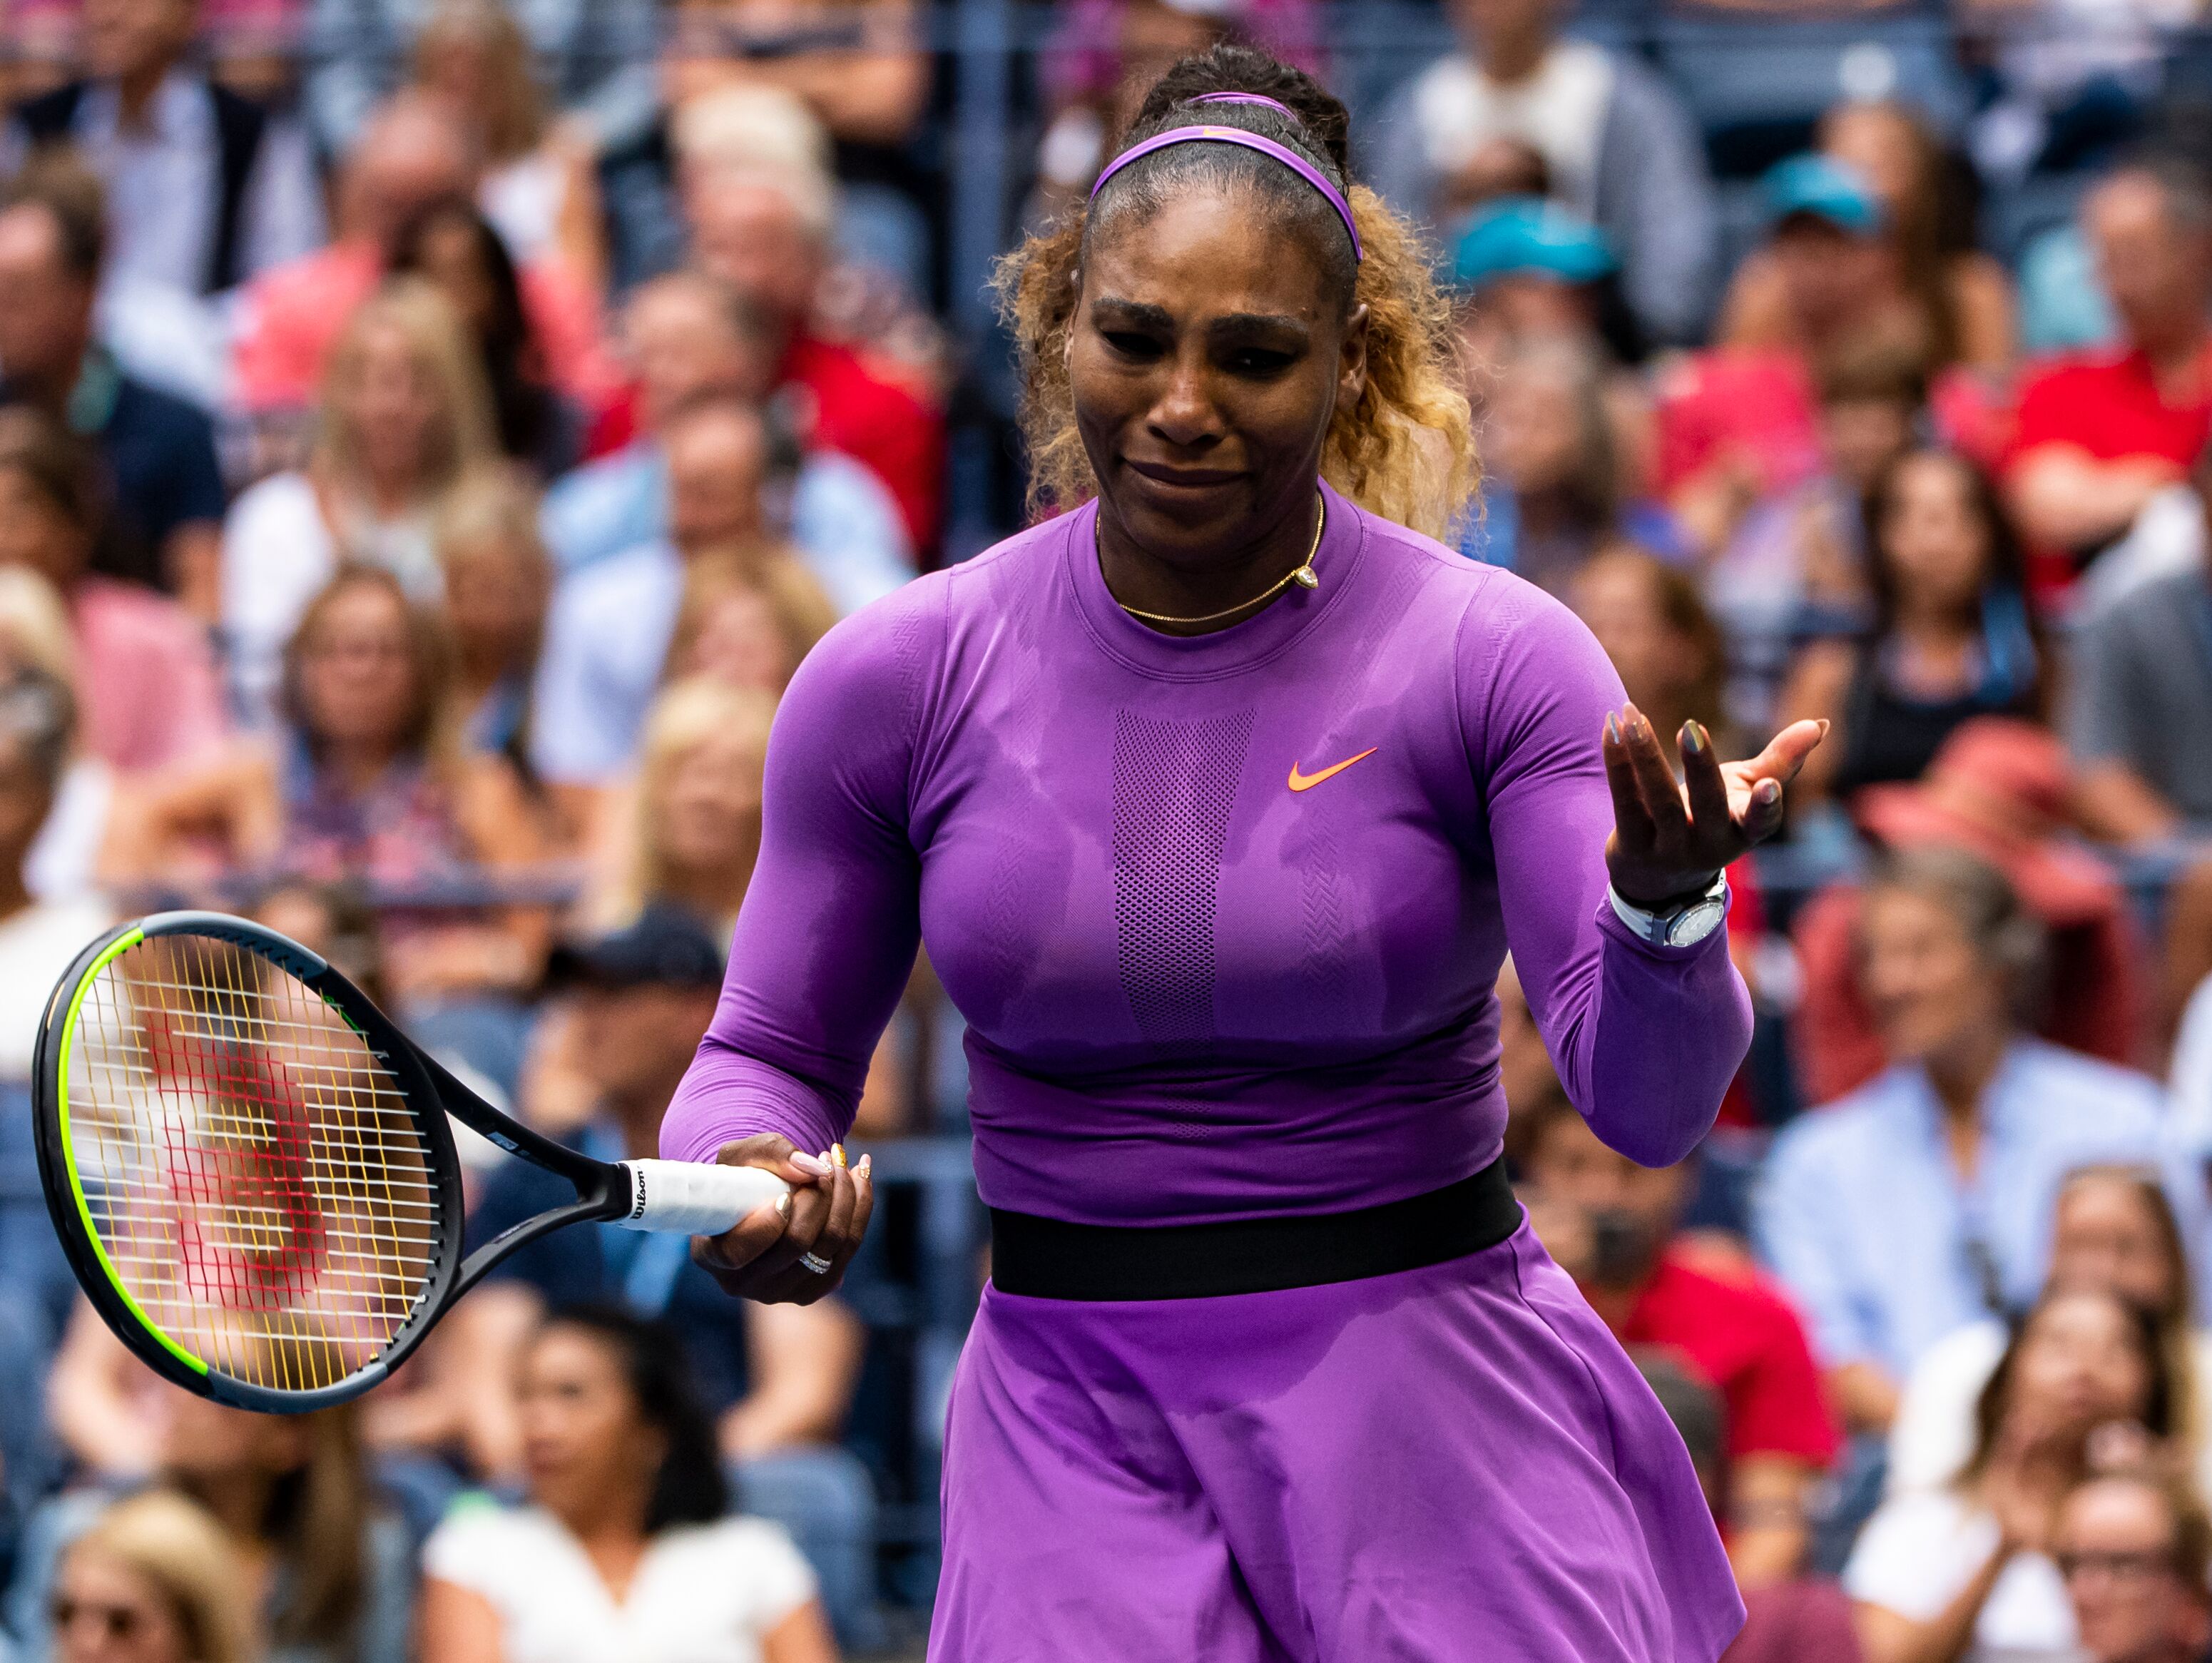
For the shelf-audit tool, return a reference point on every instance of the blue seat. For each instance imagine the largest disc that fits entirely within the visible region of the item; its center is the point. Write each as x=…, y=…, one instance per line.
x=1756, y=88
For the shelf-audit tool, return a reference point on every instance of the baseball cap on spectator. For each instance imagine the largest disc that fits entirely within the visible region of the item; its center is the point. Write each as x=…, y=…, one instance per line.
x=665, y=947
x=1999, y=788
x=1526, y=234
x=1814, y=186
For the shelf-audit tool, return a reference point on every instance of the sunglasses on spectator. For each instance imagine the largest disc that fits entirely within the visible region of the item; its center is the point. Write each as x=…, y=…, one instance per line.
x=116, y=1622
x=2121, y=1567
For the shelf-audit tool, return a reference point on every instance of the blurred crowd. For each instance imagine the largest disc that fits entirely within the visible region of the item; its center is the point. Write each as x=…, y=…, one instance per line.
x=432, y=433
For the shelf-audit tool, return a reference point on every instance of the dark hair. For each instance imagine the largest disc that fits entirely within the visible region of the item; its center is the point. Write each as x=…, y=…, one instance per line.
x=1875, y=366
x=1404, y=450
x=68, y=474
x=2003, y=593
x=1316, y=128
x=2162, y=1407
x=56, y=181
x=55, y=463
x=689, y=1488
x=523, y=404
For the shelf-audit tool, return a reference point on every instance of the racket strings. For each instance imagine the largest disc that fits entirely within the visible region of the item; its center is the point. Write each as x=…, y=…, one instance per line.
x=260, y=1184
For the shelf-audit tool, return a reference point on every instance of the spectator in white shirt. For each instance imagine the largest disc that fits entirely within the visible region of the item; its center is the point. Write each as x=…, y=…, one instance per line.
x=622, y=1548
x=1965, y=1573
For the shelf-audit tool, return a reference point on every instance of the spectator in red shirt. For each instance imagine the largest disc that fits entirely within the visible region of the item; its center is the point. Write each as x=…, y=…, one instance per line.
x=412, y=156
x=2099, y=434
x=1612, y=1226
x=766, y=233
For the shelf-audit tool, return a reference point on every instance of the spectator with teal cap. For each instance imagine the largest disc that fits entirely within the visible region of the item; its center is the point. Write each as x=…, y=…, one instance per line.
x=1528, y=235
x=1525, y=265
x=1825, y=191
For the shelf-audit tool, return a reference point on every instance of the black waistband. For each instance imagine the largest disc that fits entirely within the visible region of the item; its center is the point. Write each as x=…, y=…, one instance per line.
x=1050, y=1259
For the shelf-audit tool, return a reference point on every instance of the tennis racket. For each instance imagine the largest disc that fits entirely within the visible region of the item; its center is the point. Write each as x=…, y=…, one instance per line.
x=250, y=1170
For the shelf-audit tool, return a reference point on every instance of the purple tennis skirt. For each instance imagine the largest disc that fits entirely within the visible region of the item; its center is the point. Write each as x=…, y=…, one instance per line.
x=1451, y=1463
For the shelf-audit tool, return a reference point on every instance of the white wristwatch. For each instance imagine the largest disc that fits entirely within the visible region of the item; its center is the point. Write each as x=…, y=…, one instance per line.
x=1678, y=926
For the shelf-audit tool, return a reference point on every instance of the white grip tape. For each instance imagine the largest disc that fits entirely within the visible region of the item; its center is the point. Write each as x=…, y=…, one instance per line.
x=684, y=1197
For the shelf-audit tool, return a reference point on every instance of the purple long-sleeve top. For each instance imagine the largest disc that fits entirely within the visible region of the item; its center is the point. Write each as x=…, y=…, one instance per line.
x=1194, y=990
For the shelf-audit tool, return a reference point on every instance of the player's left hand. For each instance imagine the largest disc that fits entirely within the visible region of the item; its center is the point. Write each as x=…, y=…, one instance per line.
x=1670, y=838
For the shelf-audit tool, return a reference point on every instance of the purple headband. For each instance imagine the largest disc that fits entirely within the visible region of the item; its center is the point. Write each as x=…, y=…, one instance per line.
x=1246, y=98
x=1267, y=146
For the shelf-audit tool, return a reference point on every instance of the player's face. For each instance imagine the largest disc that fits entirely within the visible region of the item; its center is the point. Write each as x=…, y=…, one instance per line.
x=1207, y=357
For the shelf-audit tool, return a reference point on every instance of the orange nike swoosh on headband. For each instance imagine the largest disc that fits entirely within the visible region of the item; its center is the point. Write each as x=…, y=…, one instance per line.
x=1307, y=782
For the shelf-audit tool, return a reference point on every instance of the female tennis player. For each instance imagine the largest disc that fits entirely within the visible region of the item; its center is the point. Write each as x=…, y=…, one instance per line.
x=1218, y=801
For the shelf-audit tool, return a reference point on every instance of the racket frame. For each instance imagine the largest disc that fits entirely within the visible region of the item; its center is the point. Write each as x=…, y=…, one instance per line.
x=428, y=1087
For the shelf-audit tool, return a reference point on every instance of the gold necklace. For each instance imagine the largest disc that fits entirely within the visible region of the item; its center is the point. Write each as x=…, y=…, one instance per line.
x=1301, y=574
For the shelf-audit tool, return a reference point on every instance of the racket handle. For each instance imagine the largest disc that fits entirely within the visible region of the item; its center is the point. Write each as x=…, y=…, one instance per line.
x=684, y=1197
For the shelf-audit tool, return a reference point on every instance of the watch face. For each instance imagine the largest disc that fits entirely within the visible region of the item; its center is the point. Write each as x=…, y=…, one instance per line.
x=1699, y=922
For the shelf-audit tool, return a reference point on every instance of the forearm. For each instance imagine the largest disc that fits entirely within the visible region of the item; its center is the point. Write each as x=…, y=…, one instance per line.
x=1886, y=1637
x=2065, y=496
x=1864, y=1395
x=728, y=1095
x=805, y=1361
x=2117, y=804
x=1666, y=1034
x=1768, y=1538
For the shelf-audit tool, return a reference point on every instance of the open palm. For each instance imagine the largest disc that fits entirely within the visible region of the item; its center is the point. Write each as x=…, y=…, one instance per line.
x=1670, y=835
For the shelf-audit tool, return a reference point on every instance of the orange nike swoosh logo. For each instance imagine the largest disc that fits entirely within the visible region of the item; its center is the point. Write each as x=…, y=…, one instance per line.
x=1307, y=782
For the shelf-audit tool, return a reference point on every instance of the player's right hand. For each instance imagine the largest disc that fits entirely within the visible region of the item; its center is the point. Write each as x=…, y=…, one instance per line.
x=825, y=1215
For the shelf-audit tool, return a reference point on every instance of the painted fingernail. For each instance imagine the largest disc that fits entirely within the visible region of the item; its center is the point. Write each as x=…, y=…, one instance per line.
x=813, y=1166
x=1768, y=793
x=1611, y=728
x=1693, y=738
x=838, y=1153
x=862, y=1169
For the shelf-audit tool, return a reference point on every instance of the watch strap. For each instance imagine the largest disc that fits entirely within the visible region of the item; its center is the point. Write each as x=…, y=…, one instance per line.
x=1656, y=927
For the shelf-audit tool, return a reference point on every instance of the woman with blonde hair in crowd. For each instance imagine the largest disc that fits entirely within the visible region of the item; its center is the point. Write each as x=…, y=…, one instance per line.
x=747, y=617
x=693, y=812
x=405, y=419
x=367, y=779
x=154, y=1581
x=327, y=1566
